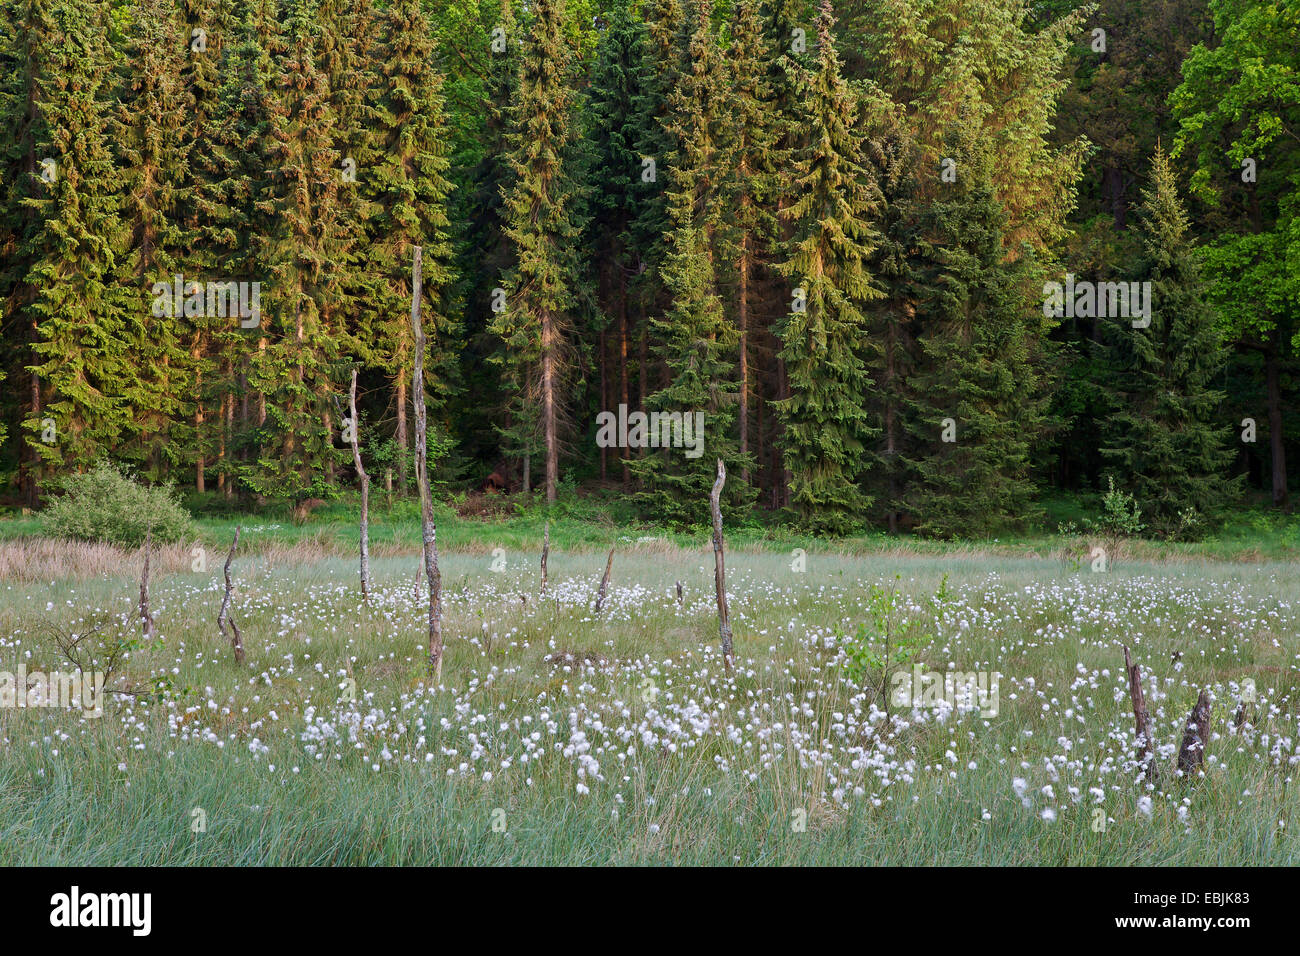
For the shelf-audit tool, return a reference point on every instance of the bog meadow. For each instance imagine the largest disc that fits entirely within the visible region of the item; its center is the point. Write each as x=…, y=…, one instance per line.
x=622, y=432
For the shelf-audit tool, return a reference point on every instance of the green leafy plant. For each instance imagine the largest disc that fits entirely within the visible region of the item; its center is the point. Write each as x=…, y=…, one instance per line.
x=900, y=635
x=106, y=504
x=1120, y=517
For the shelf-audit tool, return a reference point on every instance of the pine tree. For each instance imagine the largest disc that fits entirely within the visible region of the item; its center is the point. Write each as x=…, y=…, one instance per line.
x=757, y=162
x=235, y=226
x=543, y=224
x=897, y=266
x=616, y=179
x=980, y=395
x=153, y=157
x=23, y=26
x=352, y=70
x=1166, y=436
x=694, y=340
x=300, y=316
x=657, y=75
x=483, y=252
x=407, y=189
x=826, y=424
x=81, y=351
x=786, y=24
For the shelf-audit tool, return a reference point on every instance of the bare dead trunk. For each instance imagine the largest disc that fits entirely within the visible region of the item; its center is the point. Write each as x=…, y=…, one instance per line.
x=365, y=490
x=1191, y=755
x=236, y=639
x=546, y=552
x=1142, y=719
x=719, y=564
x=146, y=619
x=604, y=581
x=428, y=529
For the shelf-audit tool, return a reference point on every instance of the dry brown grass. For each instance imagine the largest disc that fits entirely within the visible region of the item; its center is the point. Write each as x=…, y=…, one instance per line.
x=47, y=559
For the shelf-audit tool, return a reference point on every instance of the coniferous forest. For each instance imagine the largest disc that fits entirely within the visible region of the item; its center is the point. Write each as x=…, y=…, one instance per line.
x=718, y=433
x=905, y=265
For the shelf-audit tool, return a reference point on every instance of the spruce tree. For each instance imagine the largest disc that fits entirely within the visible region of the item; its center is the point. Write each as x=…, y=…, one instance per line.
x=980, y=393
x=352, y=69
x=1166, y=437
x=23, y=25
x=825, y=420
x=407, y=188
x=483, y=252
x=892, y=320
x=757, y=162
x=693, y=338
x=82, y=349
x=147, y=131
x=657, y=75
x=235, y=229
x=542, y=213
x=616, y=180
x=300, y=313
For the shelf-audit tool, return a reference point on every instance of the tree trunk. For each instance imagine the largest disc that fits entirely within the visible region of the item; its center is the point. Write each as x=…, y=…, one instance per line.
x=34, y=472
x=365, y=490
x=1142, y=719
x=429, y=531
x=200, y=478
x=236, y=639
x=604, y=399
x=891, y=447
x=643, y=371
x=604, y=581
x=783, y=473
x=1191, y=755
x=146, y=619
x=719, y=564
x=546, y=552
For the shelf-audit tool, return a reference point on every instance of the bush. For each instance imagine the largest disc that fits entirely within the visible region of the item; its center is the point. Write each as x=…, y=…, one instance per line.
x=1121, y=516
x=106, y=505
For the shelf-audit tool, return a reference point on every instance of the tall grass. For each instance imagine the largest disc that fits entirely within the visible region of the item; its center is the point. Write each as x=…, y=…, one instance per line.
x=124, y=788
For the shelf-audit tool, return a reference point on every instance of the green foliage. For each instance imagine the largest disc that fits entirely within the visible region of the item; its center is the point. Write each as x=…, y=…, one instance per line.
x=890, y=637
x=825, y=419
x=1121, y=516
x=105, y=504
x=695, y=341
x=980, y=385
x=1167, y=433
x=543, y=218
